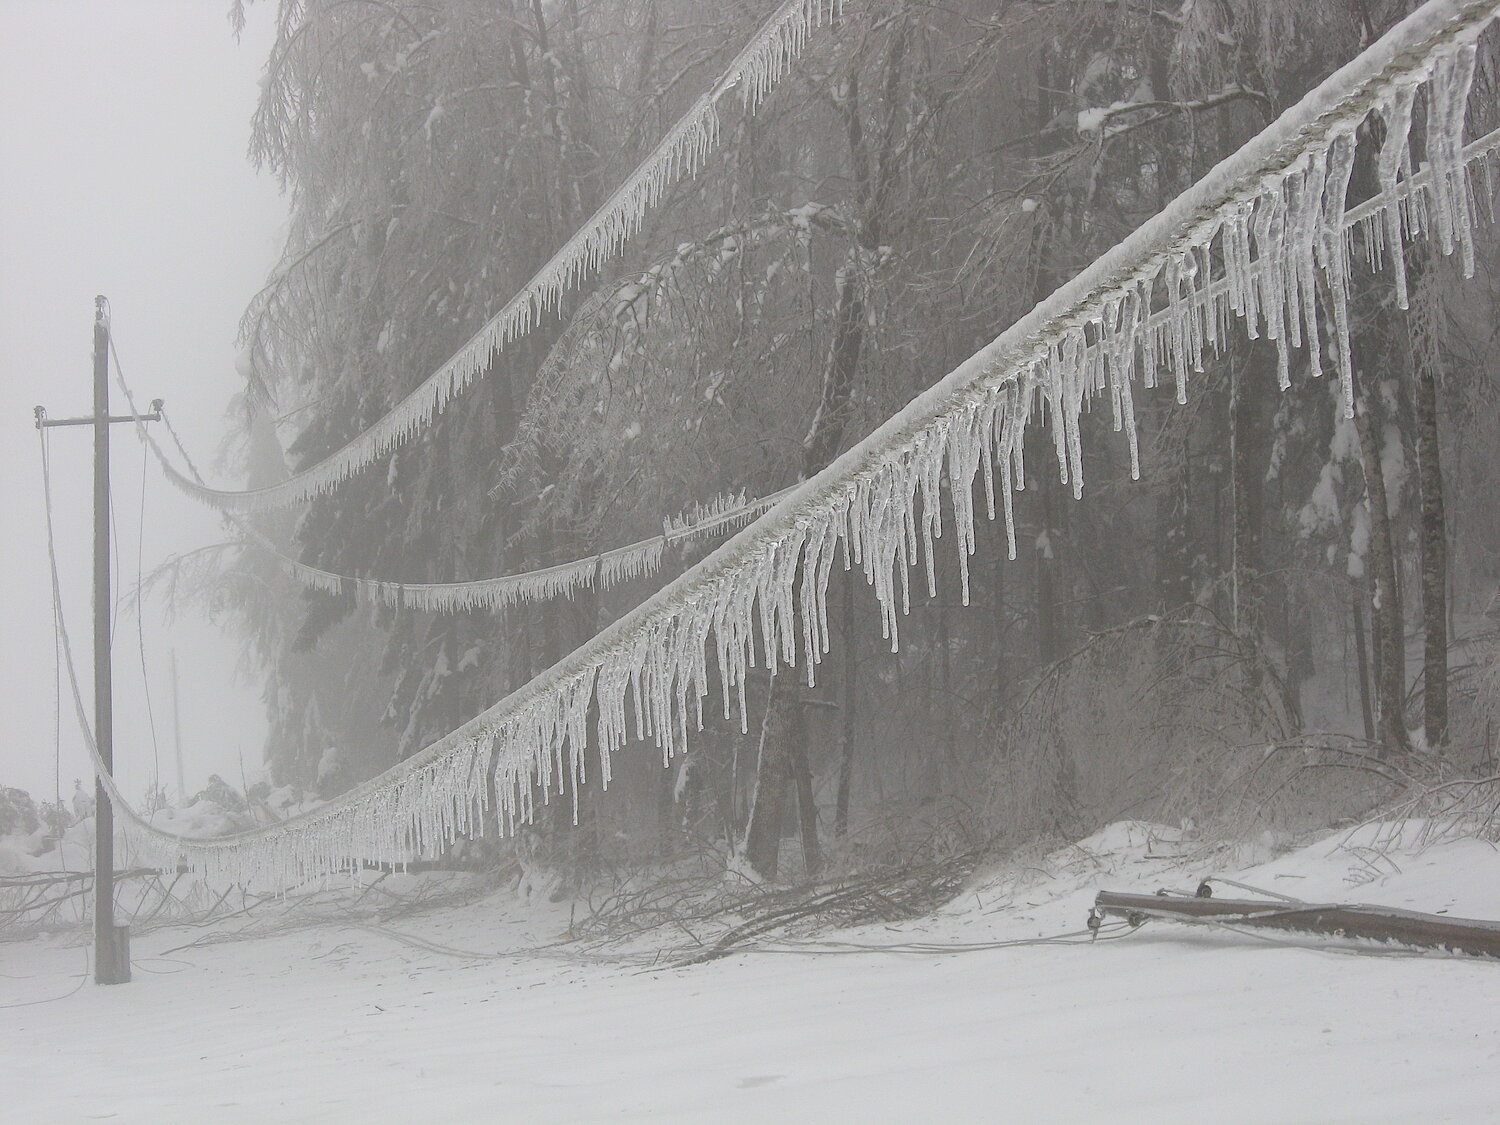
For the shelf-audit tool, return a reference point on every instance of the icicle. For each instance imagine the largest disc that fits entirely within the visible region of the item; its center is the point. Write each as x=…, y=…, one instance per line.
x=1447, y=100
x=1306, y=255
x=1270, y=241
x=1397, y=112
x=1335, y=258
x=1176, y=347
x=1073, y=382
x=1011, y=458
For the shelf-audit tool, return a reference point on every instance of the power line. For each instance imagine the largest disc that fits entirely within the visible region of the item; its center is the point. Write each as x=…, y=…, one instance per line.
x=757, y=68
x=140, y=627
x=598, y=571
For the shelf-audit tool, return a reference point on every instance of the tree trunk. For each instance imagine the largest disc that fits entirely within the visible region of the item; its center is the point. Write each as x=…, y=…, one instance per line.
x=1390, y=662
x=873, y=162
x=1246, y=479
x=1362, y=659
x=851, y=688
x=1046, y=595
x=783, y=752
x=762, y=842
x=1174, y=514
x=802, y=780
x=997, y=617
x=1425, y=360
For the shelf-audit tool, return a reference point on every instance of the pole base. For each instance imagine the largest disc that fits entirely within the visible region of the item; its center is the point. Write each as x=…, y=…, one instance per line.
x=112, y=955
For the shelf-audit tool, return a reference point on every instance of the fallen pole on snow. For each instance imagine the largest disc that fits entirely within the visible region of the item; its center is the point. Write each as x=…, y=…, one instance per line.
x=1475, y=937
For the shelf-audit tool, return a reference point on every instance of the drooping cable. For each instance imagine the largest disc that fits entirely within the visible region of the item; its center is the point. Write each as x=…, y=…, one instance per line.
x=598, y=571
x=755, y=70
x=59, y=620
x=46, y=440
x=126, y=811
x=140, y=627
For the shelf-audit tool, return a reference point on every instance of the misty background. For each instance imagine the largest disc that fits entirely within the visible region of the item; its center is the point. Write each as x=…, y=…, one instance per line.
x=123, y=131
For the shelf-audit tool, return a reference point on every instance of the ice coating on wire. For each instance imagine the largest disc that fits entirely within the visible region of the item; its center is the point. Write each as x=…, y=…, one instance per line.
x=680, y=154
x=1274, y=212
x=598, y=572
x=594, y=572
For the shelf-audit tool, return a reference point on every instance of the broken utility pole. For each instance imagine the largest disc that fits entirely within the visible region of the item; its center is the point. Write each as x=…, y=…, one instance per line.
x=1471, y=936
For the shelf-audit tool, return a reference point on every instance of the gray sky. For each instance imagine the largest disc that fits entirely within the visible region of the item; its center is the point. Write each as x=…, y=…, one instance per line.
x=123, y=129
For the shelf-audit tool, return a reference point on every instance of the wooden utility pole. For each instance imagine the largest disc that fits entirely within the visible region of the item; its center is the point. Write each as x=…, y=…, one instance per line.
x=111, y=942
x=108, y=968
x=1477, y=937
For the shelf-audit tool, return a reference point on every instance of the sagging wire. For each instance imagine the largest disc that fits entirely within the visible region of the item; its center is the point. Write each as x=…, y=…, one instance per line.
x=432, y=946
x=187, y=966
x=60, y=649
x=114, y=573
x=46, y=439
x=59, y=625
x=140, y=627
x=385, y=591
x=1252, y=890
x=61, y=636
x=82, y=980
x=1108, y=931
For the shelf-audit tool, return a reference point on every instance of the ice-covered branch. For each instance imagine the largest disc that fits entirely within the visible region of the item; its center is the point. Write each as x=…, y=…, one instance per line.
x=1104, y=120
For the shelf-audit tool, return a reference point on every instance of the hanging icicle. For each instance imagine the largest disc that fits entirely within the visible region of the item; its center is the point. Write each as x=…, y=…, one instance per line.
x=1270, y=219
x=680, y=154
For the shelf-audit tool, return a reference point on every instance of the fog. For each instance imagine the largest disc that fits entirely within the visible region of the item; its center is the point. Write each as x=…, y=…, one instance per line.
x=124, y=129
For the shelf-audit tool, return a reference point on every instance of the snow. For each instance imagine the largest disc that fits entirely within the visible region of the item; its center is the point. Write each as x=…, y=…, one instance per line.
x=1092, y=120
x=202, y=819
x=352, y=1021
x=1089, y=120
x=1322, y=508
x=1393, y=469
x=17, y=854
x=328, y=761
x=1359, y=541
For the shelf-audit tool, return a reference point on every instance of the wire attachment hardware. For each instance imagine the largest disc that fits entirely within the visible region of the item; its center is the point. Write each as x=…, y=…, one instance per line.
x=1094, y=921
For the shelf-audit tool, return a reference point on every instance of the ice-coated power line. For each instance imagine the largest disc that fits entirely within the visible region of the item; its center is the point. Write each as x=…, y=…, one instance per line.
x=1246, y=248
x=679, y=154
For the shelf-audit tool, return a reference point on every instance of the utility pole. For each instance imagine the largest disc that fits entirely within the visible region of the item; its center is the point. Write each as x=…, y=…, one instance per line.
x=107, y=966
x=111, y=942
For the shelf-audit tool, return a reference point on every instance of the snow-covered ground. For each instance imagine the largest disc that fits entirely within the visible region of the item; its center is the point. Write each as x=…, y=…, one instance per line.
x=343, y=1022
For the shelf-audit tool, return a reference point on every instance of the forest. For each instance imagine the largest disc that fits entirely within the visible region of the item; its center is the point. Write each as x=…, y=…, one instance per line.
x=1288, y=618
